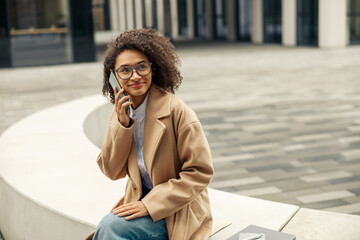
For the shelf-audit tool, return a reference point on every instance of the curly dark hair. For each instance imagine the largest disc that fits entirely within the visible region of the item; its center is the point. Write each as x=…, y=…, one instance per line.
x=158, y=49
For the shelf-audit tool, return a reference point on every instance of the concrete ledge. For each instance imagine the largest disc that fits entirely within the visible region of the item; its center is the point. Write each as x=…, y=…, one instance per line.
x=315, y=224
x=51, y=187
x=48, y=162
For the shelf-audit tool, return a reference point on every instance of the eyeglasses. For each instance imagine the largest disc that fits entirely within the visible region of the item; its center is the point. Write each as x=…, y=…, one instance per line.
x=126, y=72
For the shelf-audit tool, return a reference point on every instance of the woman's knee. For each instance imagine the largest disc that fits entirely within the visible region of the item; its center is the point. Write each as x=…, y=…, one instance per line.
x=112, y=220
x=115, y=227
x=112, y=224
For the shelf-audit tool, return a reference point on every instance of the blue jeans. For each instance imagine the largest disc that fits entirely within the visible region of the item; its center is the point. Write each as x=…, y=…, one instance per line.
x=113, y=227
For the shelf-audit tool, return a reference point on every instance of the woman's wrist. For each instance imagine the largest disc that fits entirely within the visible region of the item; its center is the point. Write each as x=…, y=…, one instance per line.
x=130, y=122
x=126, y=124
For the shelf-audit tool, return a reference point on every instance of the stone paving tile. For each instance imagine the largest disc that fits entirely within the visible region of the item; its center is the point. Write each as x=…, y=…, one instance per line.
x=354, y=128
x=237, y=182
x=325, y=176
x=344, y=180
x=238, y=157
x=350, y=208
x=292, y=195
x=348, y=185
x=319, y=197
x=311, y=137
x=350, y=139
x=294, y=184
x=259, y=191
x=355, y=190
x=351, y=154
x=355, y=199
x=273, y=174
x=258, y=147
x=246, y=119
x=320, y=157
x=325, y=204
x=294, y=147
x=315, y=165
x=267, y=167
x=219, y=126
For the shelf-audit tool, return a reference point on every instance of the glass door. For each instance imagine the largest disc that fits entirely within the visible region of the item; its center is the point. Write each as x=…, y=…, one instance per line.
x=220, y=19
x=272, y=21
x=244, y=20
x=354, y=21
x=182, y=13
x=307, y=22
x=5, y=54
x=200, y=19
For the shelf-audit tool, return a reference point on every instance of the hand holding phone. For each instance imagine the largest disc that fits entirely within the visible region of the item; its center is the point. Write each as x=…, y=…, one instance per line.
x=125, y=118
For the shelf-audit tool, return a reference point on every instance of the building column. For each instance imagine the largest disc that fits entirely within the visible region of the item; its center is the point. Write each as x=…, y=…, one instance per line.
x=190, y=15
x=174, y=19
x=122, y=15
x=130, y=14
x=231, y=19
x=209, y=16
x=257, y=21
x=138, y=14
x=332, y=23
x=149, y=13
x=114, y=16
x=288, y=22
x=160, y=12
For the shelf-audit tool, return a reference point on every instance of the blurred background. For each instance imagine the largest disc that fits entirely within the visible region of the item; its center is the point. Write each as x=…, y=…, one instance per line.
x=275, y=83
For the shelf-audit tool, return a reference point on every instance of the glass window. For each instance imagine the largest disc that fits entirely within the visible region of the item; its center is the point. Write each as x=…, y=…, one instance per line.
x=354, y=21
x=200, y=18
x=244, y=20
x=5, y=54
x=220, y=19
x=307, y=22
x=39, y=32
x=182, y=13
x=272, y=21
x=100, y=11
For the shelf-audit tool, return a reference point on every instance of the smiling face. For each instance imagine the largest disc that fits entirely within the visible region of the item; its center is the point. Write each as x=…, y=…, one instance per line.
x=136, y=86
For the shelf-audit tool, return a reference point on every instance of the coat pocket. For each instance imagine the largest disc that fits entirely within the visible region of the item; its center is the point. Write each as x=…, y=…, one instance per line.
x=189, y=220
x=198, y=209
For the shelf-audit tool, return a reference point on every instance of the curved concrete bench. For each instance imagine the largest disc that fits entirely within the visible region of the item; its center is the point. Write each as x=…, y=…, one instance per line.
x=51, y=187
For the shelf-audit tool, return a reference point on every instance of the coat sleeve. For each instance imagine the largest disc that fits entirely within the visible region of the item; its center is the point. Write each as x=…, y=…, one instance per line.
x=115, y=149
x=195, y=175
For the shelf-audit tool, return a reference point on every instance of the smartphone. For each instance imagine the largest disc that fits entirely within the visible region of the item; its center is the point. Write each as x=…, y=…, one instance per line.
x=114, y=83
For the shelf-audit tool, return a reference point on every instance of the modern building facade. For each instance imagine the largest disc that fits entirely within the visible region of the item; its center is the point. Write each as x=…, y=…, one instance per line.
x=322, y=23
x=40, y=32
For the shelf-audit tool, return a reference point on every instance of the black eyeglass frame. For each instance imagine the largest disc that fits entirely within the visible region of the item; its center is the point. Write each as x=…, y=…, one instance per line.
x=132, y=70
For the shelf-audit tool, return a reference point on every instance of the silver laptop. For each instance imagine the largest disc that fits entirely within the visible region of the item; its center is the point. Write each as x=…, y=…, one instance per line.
x=253, y=232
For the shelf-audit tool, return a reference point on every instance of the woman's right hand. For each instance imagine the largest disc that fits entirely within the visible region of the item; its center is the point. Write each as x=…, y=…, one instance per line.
x=120, y=108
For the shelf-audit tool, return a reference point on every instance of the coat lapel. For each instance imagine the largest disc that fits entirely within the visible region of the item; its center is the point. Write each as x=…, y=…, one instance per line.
x=158, y=106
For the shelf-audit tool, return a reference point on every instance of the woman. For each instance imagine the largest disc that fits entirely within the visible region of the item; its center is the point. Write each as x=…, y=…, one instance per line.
x=159, y=144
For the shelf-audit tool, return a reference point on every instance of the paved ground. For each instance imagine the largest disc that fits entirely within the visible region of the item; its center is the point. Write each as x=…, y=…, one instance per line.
x=283, y=123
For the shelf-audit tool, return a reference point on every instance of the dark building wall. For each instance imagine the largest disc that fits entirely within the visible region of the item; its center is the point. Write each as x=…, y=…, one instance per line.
x=5, y=55
x=82, y=31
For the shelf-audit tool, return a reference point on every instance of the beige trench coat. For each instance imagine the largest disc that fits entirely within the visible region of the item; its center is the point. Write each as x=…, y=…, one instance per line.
x=177, y=156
